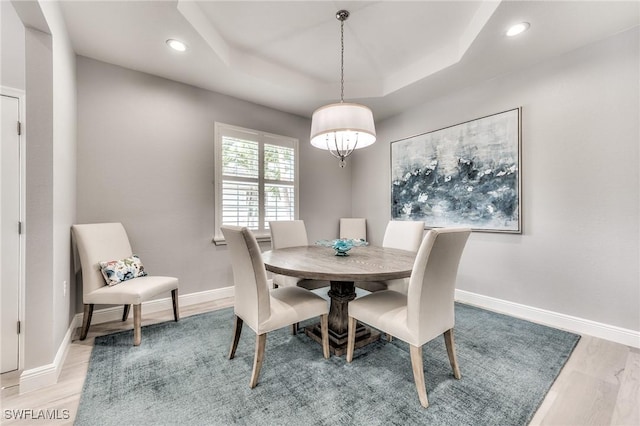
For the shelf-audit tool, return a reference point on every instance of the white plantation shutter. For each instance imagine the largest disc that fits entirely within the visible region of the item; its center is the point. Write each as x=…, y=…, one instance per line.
x=240, y=204
x=279, y=203
x=240, y=190
x=256, y=179
x=240, y=158
x=279, y=189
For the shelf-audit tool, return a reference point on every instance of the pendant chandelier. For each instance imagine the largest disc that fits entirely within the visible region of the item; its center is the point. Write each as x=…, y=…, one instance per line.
x=342, y=127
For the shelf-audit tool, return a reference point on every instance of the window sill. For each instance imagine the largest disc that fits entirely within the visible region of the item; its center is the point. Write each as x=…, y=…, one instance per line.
x=220, y=241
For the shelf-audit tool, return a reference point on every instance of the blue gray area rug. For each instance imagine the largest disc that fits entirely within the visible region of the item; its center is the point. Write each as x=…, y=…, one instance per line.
x=180, y=375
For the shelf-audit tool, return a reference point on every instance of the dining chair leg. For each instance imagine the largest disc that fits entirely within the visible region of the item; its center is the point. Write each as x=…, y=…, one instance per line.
x=451, y=351
x=351, y=338
x=418, y=374
x=86, y=320
x=137, y=324
x=125, y=312
x=324, y=330
x=294, y=329
x=261, y=340
x=237, y=330
x=174, y=298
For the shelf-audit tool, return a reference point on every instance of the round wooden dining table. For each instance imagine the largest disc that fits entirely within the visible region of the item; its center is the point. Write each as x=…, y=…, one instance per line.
x=365, y=263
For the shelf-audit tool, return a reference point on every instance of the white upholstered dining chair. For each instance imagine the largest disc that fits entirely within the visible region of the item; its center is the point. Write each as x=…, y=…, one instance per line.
x=403, y=235
x=287, y=233
x=354, y=228
x=265, y=310
x=284, y=234
x=108, y=242
x=426, y=311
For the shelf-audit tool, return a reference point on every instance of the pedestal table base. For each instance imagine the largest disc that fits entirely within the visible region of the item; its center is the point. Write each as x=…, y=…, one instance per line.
x=341, y=293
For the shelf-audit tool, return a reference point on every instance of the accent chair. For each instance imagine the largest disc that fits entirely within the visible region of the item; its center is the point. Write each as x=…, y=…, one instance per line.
x=108, y=243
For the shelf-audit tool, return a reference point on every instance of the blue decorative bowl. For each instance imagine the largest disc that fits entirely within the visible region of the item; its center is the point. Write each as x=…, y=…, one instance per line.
x=342, y=246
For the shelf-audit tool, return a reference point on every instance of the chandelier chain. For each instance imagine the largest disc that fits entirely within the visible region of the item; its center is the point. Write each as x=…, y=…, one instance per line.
x=341, y=60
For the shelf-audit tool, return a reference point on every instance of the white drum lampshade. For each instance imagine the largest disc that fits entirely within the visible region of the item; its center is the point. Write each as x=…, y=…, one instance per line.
x=342, y=127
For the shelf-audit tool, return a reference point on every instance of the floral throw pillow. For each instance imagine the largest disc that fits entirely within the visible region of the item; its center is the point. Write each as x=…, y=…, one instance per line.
x=116, y=271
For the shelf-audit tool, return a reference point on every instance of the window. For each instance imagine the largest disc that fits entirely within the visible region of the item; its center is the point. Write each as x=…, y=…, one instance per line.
x=256, y=179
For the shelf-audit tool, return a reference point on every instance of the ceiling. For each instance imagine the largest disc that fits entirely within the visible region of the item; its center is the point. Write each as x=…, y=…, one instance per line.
x=286, y=55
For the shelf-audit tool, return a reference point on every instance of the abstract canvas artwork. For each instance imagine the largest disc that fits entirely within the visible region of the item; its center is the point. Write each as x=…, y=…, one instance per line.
x=463, y=175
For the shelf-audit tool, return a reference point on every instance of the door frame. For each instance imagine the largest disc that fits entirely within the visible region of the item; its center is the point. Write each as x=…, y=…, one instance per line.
x=22, y=111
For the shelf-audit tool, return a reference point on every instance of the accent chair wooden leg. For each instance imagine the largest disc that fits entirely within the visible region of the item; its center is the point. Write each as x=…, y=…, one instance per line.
x=125, y=313
x=451, y=351
x=351, y=338
x=237, y=330
x=324, y=330
x=137, y=324
x=86, y=320
x=418, y=374
x=176, y=311
x=389, y=337
x=261, y=340
x=295, y=328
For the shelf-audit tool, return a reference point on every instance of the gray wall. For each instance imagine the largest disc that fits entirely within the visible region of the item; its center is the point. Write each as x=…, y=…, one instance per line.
x=50, y=124
x=578, y=254
x=12, y=47
x=145, y=158
x=64, y=169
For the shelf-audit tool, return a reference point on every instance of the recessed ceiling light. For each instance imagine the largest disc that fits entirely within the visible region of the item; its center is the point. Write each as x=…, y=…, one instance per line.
x=517, y=29
x=177, y=45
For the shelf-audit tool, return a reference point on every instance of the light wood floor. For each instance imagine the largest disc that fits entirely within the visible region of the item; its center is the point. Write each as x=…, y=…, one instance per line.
x=600, y=384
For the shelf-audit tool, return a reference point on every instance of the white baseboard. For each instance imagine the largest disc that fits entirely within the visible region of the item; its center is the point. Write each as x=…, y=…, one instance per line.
x=46, y=375
x=553, y=319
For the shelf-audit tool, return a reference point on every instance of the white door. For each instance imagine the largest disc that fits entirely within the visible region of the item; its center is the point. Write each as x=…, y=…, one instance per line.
x=9, y=234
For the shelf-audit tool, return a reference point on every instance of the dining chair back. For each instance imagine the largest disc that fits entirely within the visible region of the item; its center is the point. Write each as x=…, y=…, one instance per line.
x=284, y=234
x=262, y=309
x=106, y=242
x=430, y=307
x=249, y=277
x=288, y=233
x=354, y=228
x=403, y=235
x=426, y=311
